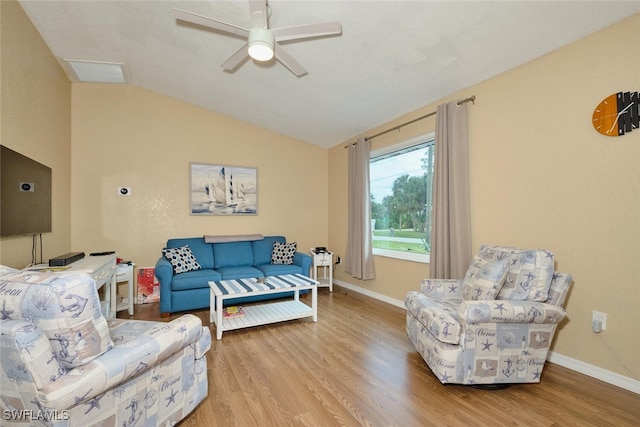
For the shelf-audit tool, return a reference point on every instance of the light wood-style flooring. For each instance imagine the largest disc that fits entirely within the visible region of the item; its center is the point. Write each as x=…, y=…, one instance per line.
x=356, y=367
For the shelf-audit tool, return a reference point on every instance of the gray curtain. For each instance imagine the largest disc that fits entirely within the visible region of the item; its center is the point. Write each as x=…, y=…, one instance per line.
x=359, y=257
x=451, y=218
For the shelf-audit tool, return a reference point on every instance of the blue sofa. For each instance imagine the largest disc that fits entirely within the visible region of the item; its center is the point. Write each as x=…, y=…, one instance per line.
x=238, y=259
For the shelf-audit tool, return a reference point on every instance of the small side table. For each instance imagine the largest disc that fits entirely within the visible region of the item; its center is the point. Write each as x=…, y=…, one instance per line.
x=323, y=260
x=124, y=273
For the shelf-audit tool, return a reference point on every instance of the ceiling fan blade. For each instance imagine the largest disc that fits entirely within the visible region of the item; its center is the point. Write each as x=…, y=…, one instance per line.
x=259, y=17
x=236, y=59
x=194, y=18
x=287, y=60
x=307, y=31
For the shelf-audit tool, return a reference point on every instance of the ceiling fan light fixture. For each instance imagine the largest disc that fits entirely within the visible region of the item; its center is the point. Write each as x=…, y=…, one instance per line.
x=261, y=42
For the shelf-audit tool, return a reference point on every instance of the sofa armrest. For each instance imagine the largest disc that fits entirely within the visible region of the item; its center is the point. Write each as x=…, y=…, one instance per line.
x=124, y=361
x=164, y=273
x=304, y=261
x=441, y=288
x=509, y=311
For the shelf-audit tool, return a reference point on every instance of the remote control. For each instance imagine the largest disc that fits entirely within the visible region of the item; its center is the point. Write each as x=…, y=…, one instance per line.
x=102, y=253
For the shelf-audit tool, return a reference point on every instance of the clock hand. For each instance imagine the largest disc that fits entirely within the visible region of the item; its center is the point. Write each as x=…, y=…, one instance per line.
x=618, y=116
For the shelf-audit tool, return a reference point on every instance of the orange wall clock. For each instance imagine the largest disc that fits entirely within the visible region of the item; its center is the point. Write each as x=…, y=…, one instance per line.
x=617, y=114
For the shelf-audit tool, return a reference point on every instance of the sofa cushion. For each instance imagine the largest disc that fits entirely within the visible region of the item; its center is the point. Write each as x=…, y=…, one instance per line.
x=194, y=279
x=64, y=305
x=530, y=271
x=438, y=316
x=239, y=272
x=232, y=254
x=262, y=249
x=484, y=279
x=279, y=269
x=283, y=253
x=201, y=250
x=181, y=259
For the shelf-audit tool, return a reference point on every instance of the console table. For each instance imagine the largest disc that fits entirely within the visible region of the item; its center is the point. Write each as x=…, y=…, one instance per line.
x=101, y=268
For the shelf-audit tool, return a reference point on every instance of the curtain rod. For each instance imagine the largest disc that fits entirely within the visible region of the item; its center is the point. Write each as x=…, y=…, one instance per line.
x=471, y=99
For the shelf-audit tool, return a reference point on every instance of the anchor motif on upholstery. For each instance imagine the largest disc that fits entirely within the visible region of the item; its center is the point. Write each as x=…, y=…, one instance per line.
x=76, y=308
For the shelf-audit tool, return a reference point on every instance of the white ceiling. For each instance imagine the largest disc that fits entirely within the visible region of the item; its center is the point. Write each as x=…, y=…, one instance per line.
x=393, y=57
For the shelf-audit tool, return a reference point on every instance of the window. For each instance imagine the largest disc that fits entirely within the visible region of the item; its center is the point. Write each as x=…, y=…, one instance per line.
x=400, y=184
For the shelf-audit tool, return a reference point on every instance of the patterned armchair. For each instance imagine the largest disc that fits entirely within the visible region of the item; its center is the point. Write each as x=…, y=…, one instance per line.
x=495, y=326
x=63, y=363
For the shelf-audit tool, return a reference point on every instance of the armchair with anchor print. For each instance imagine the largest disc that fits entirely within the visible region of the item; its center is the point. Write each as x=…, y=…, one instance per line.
x=64, y=364
x=494, y=327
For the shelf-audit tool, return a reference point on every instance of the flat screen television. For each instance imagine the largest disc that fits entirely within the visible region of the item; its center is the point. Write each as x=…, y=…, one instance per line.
x=25, y=195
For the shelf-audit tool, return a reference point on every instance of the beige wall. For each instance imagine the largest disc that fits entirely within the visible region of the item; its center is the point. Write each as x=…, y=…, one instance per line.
x=542, y=177
x=125, y=136
x=35, y=120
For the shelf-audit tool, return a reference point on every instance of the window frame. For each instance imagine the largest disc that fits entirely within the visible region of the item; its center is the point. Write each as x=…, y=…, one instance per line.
x=383, y=151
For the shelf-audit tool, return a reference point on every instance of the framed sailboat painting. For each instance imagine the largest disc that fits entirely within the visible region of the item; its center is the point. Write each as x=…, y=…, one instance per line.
x=223, y=190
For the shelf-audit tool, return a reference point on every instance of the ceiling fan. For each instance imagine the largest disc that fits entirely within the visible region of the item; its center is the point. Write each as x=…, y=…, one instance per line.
x=263, y=43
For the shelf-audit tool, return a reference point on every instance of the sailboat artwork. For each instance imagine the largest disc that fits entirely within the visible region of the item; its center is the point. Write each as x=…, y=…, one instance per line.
x=223, y=190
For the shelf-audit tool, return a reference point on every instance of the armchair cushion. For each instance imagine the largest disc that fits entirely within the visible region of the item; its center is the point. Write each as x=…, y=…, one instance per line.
x=31, y=351
x=64, y=306
x=530, y=271
x=484, y=279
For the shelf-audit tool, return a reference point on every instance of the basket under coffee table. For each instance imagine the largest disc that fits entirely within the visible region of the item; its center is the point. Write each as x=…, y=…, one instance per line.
x=262, y=314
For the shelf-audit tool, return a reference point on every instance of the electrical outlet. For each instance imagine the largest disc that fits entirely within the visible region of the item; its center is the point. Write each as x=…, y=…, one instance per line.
x=598, y=321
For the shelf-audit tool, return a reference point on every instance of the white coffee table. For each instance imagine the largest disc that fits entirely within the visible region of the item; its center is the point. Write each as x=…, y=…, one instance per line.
x=262, y=314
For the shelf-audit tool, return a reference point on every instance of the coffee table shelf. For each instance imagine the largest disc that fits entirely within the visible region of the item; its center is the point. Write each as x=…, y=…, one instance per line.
x=262, y=313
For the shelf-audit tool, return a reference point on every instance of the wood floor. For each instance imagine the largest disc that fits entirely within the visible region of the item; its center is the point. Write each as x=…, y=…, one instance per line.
x=356, y=367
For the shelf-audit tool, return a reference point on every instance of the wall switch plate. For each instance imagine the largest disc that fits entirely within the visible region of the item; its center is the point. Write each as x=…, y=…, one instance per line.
x=598, y=319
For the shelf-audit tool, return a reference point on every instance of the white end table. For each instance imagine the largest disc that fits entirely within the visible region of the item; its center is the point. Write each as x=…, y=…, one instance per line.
x=323, y=260
x=124, y=273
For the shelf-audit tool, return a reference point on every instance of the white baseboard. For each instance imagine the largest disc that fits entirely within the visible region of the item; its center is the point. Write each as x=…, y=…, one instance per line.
x=593, y=371
x=369, y=293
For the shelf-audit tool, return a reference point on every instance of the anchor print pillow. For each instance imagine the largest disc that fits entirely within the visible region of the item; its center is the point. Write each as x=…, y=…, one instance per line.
x=65, y=306
x=484, y=279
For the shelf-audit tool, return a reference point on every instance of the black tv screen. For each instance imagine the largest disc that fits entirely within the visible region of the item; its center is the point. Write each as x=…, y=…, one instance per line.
x=25, y=197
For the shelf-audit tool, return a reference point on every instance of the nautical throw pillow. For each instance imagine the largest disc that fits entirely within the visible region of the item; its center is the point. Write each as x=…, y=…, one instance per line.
x=530, y=271
x=283, y=253
x=65, y=306
x=484, y=279
x=181, y=259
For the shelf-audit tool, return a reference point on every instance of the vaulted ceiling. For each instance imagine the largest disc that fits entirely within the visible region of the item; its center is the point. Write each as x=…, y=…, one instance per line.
x=392, y=57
